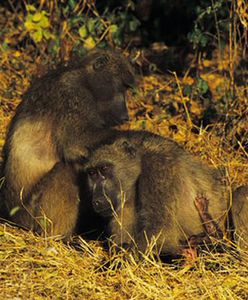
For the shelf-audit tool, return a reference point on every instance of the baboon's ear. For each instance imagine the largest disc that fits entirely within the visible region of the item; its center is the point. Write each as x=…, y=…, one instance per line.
x=129, y=149
x=101, y=62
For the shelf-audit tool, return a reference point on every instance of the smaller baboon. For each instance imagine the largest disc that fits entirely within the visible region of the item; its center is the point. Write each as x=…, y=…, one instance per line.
x=112, y=197
x=240, y=216
x=146, y=186
x=61, y=115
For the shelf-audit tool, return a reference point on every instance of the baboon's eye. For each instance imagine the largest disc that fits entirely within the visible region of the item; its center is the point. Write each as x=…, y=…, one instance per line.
x=92, y=173
x=104, y=169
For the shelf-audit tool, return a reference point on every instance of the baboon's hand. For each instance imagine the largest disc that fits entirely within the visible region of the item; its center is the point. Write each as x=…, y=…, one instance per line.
x=201, y=203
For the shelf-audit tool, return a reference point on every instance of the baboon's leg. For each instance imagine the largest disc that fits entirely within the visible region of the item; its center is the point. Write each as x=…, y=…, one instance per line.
x=55, y=201
x=212, y=229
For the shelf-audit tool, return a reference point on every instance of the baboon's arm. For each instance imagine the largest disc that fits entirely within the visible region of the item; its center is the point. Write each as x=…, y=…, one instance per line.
x=212, y=229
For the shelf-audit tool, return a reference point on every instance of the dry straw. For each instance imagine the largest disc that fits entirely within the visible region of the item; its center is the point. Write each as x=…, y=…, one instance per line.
x=37, y=268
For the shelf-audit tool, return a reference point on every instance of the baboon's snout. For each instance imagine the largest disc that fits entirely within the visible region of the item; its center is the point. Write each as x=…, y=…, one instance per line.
x=102, y=206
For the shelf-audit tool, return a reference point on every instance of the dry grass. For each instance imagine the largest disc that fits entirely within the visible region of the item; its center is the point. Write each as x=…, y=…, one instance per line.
x=35, y=268
x=32, y=267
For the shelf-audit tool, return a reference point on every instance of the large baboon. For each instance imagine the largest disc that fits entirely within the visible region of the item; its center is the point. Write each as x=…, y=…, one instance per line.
x=60, y=116
x=146, y=186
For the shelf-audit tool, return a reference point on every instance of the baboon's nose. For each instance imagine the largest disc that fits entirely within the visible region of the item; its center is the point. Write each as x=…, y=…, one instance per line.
x=98, y=204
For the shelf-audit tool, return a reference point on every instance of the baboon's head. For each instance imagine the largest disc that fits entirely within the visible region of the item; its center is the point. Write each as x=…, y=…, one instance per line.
x=112, y=174
x=109, y=75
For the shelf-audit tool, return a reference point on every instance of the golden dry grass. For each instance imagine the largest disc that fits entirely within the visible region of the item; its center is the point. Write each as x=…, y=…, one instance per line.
x=37, y=268
x=32, y=267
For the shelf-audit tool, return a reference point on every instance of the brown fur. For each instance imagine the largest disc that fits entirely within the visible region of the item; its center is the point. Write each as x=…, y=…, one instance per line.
x=120, y=206
x=61, y=115
x=162, y=192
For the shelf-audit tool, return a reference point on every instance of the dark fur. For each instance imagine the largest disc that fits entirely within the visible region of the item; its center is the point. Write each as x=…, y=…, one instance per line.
x=60, y=116
x=160, y=181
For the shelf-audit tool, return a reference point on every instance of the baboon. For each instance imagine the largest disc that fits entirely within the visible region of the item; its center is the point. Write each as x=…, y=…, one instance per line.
x=146, y=186
x=240, y=216
x=61, y=115
x=106, y=184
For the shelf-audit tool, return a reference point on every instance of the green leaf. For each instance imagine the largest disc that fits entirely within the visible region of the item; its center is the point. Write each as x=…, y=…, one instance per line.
x=113, y=28
x=91, y=25
x=89, y=43
x=54, y=45
x=44, y=22
x=29, y=17
x=117, y=36
x=14, y=210
x=203, y=40
x=209, y=10
x=75, y=21
x=30, y=7
x=133, y=25
x=187, y=90
x=83, y=32
x=29, y=25
x=72, y=3
x=48, y=35
x=99, y=27
x=202, y=86
x=37, y=35
x=143, y=124
x=37, y=17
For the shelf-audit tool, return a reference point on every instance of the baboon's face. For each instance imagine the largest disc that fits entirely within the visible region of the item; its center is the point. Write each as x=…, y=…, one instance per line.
x=105, y=189
x=114, y=109
x=112, y=174
x=110, y=75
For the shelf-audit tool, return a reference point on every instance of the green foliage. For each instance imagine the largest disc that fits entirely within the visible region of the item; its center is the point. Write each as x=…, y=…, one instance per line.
x=123, y=23
x=198, y=37
x=199, y=88
x=83, y=29
x=211, y=22
x=187, y=90
x=143, y=124
x=75, y=26
x=92, y=31
x=37, y=24
x=202, y=86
